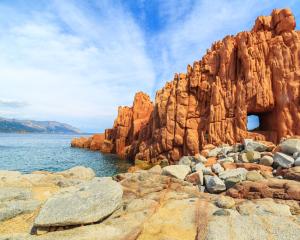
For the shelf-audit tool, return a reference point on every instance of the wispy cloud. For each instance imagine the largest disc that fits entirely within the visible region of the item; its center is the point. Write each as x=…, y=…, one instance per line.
x=76, y=61
x=71, y=61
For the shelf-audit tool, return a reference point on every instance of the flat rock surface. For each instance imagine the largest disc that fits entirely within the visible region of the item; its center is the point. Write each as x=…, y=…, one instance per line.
x=177, y=171
x=86, y=203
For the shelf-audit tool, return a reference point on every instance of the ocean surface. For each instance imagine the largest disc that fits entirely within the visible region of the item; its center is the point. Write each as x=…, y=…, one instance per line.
x=52, y=152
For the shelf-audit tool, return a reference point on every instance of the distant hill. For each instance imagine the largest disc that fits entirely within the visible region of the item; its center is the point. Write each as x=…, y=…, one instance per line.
x=31, y=126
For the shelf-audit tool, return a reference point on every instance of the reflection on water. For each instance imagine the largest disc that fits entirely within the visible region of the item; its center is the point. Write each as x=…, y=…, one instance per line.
x=52, y=152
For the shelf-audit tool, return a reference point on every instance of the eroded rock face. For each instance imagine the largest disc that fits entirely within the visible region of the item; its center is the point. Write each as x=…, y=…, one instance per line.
x=94, y=142
x=255, y=72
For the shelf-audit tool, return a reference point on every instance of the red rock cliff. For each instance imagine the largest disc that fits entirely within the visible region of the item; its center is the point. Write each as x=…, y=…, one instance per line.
x=255, y=72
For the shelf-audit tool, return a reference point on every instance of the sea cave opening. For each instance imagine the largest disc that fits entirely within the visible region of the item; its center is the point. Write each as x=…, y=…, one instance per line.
x=253, y=122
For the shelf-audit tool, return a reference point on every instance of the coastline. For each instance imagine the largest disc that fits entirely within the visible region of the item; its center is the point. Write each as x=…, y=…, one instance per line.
x=191, y=200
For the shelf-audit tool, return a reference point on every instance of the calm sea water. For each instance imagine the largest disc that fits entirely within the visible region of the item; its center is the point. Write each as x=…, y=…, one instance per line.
x=52, y=152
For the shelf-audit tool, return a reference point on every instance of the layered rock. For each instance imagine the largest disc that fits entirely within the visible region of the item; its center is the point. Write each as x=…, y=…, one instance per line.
x=254, y=72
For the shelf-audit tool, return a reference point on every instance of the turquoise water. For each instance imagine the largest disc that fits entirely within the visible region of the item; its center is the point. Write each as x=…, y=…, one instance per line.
x=52, y=152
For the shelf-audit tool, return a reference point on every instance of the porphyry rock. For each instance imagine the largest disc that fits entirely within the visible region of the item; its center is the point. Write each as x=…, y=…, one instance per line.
x=208, y=105
x=270, y=188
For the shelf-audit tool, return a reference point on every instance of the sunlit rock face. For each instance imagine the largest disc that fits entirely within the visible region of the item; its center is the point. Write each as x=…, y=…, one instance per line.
x=255, y=72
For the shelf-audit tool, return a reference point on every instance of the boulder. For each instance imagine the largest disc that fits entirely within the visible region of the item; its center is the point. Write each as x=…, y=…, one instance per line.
x=290, y=146
x=86, y=203
x=253, y=156
x=251, y=145
x=177, y=171
x=217, y=168
x=266, y=160
x=195, y=178
x=234, y=173
x=214, y=184
x=283, y=160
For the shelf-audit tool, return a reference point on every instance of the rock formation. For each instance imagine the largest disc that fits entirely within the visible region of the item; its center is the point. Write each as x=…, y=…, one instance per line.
x=94, y=143
x=255, y=72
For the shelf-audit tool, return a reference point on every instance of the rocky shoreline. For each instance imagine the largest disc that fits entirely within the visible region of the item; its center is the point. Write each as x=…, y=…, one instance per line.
x=199, y=174
x=243, y=191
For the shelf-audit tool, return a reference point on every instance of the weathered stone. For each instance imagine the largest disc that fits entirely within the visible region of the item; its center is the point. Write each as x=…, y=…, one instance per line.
x=195, y=178
x=248, y=166
x=253, y=176
x=264, y=207
x=230, y=182
x=290, y=173
x=185, y=160
x=177, y=171
x=214, y=184
x=251, y=145
x=290, y=146
x=253, y=156
x=269, y=188
x=283, y=160
x=86, y=203
x=78, y=172
x=14, y=208
x=227, y=159
x=217, y=168
x=234, y=173
x=225, y=202
x=243, y=158
x=266, y=160
x=199, y=158
x=236, y=227
x=14, y=193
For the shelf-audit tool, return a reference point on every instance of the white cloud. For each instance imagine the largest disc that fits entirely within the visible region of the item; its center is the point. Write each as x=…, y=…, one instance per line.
x=76, y=61
x=85, y=71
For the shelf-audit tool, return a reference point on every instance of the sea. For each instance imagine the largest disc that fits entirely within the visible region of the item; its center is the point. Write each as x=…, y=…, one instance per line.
x=52, y=152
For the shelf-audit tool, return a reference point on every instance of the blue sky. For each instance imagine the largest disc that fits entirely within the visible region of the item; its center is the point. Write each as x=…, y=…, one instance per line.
x=76, y=61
